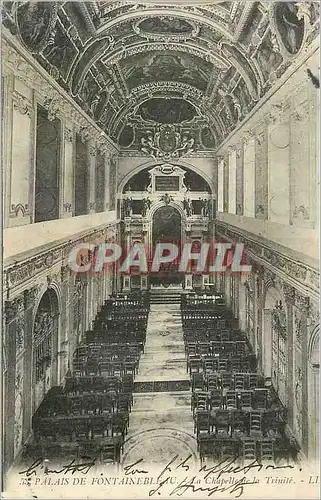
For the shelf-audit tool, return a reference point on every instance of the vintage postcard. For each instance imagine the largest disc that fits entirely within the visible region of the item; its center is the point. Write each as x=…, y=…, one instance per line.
x=160, y=166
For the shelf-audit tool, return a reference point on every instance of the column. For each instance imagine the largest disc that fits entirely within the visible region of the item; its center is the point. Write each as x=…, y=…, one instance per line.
x=107, y=162
x=261, y=173
x=267, y=343
x=91, y=175
x=220, y=185
x=67, y=181
x=232, y=182
x=225, y=184
x=259, y=318
x=239, y=179
x=7, y=117
x=67, y=307
x=249, y=177
x=289, y=292
x=29, y=304
x=300, y=209
x=9, y=395
x=22, y=156
x=278, y=168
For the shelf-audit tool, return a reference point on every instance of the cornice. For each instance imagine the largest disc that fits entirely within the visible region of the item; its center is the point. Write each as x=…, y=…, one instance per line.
x=22, y=272
x=291, y=271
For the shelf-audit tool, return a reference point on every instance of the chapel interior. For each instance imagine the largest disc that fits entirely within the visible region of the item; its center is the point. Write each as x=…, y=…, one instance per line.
x=137, y=123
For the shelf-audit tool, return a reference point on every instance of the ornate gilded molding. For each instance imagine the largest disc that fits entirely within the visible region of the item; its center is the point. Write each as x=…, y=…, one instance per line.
x=284, y=266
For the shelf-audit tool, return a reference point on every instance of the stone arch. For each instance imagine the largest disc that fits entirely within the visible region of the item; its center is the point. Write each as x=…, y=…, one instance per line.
x=274, y=365
x=45, y=341
x=314, y=345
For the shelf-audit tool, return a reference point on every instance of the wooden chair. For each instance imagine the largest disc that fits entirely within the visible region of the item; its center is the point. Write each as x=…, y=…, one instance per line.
x=255, y=423
x=197, y=381
x=202, y=422
x=248, y=450
x=216, y=399
x=246, y=399
x=266, y=450
x=231, y=399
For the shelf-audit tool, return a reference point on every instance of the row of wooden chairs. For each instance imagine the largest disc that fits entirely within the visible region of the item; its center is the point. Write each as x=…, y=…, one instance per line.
x=114, y=367
x=104, y=451
x=104, y=335
x=243, y=449
x=238, y=422
x=97, y=383
x=213, y=364
x=228, y=380
x=99, y=351
x=86, y=426
x=244, y=399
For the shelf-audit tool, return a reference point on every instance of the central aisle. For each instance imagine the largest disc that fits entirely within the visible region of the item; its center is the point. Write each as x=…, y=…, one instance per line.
x=164, y=356
x=161, y=421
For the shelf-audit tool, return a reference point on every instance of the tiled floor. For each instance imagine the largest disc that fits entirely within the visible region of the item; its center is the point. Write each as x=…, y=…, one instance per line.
x=161, y=423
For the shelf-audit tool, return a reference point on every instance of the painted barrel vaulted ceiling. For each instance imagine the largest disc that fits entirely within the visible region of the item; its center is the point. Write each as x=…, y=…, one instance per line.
x=130, y=66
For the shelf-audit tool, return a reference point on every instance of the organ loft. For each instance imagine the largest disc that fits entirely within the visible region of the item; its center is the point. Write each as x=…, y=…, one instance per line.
x=160, y=125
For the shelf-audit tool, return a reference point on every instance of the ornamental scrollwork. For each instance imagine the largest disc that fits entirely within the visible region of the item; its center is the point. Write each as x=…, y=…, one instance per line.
x=13, y=308
x=167, y=143
x=30, y=296
x=279, y=322
x=21, y=104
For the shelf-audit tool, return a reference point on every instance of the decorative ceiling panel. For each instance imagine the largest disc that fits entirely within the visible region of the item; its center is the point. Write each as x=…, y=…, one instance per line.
x=216, y=58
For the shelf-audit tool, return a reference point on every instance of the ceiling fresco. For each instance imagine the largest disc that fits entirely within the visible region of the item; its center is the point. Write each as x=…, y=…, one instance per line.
x=125, y=62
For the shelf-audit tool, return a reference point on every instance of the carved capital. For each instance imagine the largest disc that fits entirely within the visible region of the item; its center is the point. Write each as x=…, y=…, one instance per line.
x=14, y=308
x=21, y=104
x=67, y=207
x=53, y=105
x=30, y=296
x=65, y=273
x=313, y=315
x=302, y=303
x=92, y=151
x=289, y=293
x=248, y=135
x=69, y=134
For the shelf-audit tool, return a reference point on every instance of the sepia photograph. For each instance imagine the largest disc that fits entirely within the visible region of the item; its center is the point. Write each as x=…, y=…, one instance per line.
x=160, y=249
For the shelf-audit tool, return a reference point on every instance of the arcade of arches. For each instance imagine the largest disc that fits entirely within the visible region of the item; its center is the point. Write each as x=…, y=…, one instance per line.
x=148, y=122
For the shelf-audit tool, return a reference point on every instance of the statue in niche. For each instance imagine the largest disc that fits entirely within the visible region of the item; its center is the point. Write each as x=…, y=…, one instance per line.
x=188, y=207
x=127, y=206
x=44, y=322
x=146, y=206
x=206, y=207
x=279, y=317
